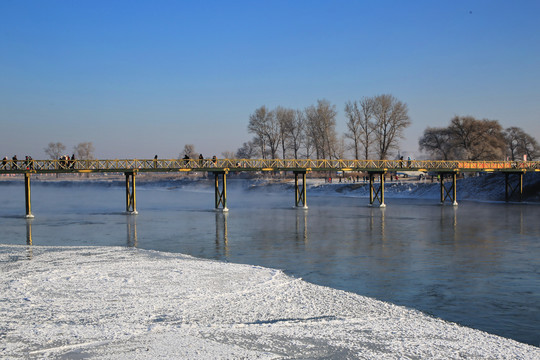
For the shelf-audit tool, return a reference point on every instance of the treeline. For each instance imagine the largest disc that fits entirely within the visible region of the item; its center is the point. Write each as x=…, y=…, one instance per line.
x=374, y=127
x=83, y=151
x=468, y=138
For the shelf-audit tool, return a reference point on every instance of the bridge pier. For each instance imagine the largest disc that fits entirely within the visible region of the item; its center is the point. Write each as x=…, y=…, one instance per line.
x=513, y=189
x=221, y=194
x=300, y=190
x=27, y=196
x=131, y=198
x=449, y=192
x=376, y=194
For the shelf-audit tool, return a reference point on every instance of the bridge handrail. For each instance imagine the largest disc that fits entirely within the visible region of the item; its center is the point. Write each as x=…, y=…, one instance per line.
x=11, y=166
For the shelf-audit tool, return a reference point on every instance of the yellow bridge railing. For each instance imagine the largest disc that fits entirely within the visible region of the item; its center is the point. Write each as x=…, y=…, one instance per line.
x=163, y=165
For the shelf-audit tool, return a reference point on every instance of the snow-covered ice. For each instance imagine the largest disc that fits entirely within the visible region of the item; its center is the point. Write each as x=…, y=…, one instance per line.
x=126, y=303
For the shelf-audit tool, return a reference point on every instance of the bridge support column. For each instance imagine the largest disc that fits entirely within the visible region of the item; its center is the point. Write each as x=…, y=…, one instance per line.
x=376, y=193
x=131, y=198
x=221, y=194
x=513, y=189
x=300, y=190
x=449, y=192
x=27, y=196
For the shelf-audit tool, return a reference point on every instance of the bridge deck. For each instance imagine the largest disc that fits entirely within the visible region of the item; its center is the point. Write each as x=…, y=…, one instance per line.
x=230, y=165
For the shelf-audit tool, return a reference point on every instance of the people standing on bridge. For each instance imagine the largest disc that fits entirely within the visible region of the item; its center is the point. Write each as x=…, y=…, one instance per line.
x=186, y=159
x=4, y=162
x=201, y=160
x=14, y=165
x=408, y=161
x=155, y=162
x=29, y=163
x=71, y=161
x=401, y=162
x=214, y=160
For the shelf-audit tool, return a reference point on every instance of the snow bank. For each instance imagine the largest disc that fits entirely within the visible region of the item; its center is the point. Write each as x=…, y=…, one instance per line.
x=106, y=302
x=490, y=187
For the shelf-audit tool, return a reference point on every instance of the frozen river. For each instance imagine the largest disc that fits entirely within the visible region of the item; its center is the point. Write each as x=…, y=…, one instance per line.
x=476, y=264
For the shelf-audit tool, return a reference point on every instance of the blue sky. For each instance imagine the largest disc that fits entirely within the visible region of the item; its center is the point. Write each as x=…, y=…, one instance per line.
x=139, y=78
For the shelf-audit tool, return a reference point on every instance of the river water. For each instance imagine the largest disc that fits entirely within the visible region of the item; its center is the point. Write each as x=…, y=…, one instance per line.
x=476, y=264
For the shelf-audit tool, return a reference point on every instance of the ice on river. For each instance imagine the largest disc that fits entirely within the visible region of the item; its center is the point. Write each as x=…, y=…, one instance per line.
x=112, y=302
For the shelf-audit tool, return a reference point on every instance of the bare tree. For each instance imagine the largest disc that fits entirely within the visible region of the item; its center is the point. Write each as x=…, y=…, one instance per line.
x=84, y=151
x=477, y=139
x=264, y=125
x=247, y=151
x=512, y=136
x=340, y=148
x=189, y=150
x=285, y=118
x=296, y=132
x=391, y=118
x=320, y=126
x=438, y=142
x=55, y=150
x=519, y=143
x=359, y=125
x=228, y=154
x=529, y=146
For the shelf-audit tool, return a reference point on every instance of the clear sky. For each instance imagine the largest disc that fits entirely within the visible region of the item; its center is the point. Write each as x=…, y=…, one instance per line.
x=139, y=78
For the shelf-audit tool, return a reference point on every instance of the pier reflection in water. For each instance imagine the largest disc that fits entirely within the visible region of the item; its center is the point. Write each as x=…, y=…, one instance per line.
x=131, y=225
x=222, y=234
x=302, y=225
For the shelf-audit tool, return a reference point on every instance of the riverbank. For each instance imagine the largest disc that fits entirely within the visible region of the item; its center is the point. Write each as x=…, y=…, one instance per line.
x=88, y=302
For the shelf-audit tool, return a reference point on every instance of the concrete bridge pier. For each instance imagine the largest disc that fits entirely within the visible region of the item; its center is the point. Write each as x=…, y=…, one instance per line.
x=27, y=196
x=221, y=194
x=376, y=193
x=449, y=192
x=131, y=198
x=300, y=190
x=514, y=189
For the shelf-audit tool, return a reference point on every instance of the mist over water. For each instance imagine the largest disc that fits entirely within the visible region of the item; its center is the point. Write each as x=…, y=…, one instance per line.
x=476, y=264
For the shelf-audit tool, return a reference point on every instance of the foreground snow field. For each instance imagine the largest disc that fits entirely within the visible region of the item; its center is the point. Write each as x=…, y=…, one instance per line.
x=111, y=302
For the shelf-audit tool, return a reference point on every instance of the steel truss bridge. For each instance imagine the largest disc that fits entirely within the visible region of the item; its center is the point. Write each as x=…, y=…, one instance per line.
x=445, y=170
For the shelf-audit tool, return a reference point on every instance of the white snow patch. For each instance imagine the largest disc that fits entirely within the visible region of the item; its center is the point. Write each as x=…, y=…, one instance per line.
x=125, y=303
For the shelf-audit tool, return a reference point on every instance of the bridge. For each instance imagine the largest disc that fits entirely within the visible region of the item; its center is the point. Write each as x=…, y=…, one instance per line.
x=445, y=170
